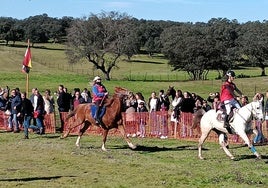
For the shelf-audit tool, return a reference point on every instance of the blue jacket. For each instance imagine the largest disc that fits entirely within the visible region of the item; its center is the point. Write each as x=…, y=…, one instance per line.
x=15, y=102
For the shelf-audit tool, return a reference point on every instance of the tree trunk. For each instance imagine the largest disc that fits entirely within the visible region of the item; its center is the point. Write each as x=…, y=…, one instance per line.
x=263, y=71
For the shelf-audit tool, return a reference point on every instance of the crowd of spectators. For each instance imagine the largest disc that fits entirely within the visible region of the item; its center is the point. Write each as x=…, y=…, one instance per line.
x=14, y=103
x=29, y=112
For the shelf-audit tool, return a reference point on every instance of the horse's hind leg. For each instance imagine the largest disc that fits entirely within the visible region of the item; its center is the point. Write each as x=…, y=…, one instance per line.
x=223, y=143
x=204, y=135
x=81, y=132
x=123, y=132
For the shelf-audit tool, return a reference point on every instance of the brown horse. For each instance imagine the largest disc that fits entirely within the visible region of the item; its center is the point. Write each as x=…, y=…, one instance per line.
x=111, y=119
x=171, y=92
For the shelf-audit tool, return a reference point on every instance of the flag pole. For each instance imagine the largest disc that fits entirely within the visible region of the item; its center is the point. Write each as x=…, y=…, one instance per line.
x=27, y=76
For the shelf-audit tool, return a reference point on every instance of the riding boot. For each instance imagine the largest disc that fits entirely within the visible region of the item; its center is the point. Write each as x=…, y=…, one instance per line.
x=97, y=118
x=226, y=121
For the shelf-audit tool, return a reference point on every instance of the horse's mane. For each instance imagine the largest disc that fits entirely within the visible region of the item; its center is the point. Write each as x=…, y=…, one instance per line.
x=119, y=93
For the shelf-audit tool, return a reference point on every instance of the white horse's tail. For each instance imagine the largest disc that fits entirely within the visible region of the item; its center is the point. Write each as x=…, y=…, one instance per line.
x=197, y=117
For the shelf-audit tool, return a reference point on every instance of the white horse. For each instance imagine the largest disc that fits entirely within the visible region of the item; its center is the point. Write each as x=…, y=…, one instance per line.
x=241, y=124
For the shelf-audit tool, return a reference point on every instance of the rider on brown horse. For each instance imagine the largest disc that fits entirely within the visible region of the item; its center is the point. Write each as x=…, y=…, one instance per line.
x=99, y=93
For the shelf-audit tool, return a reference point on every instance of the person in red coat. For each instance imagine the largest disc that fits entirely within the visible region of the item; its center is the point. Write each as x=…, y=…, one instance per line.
x=228, y=97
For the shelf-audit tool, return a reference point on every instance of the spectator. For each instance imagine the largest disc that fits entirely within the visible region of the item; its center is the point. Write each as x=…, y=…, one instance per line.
x=142, y=118
x=49, y=102
x=164, y=107
x=206, y=106
x=154, y=106
x=27, y=113
x=259, y=138
x=176, y=105
x=69, y=98
x=3, y=99
x=164, y=101
x=78, y=99
x=216, y=103
x=139, y=97
x=244, y=100
x=39, y=112
x=188, y=103
x=63, y=102
x=154, y=103
x=198, y=105
x=86, y=95
x=15, y=111
x=212, y=96
x=32, y=101
x=130, y=104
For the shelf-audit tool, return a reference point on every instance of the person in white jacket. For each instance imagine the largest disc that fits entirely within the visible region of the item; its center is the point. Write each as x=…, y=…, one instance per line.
x=176, y=106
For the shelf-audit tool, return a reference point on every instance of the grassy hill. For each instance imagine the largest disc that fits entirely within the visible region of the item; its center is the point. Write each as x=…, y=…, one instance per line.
x=51, y=68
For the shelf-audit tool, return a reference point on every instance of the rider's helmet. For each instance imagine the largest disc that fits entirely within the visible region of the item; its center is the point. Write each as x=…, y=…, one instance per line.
x=230, y=73
x=96, y=78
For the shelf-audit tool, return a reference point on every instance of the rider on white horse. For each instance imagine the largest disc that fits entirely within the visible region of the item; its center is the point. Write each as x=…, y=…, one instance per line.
x=228, y=97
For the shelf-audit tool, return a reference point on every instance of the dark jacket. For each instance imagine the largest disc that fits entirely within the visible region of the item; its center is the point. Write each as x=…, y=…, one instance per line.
x=27, y=107
x=188, y=105
x=63, y=101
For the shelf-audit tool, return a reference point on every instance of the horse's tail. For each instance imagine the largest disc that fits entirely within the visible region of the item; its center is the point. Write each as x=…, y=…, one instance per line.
x=71, y=114
x=197, y=117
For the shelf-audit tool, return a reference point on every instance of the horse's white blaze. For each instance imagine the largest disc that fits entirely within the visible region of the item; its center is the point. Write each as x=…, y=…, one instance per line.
x=241, y=124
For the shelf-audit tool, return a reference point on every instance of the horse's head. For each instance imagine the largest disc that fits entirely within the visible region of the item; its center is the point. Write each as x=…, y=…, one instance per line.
x=121, y=92
x=171, y=92
x=257, y=110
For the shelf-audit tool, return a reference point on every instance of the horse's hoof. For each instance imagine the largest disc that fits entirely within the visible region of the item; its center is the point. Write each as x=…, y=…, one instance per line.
x=132, y=146
x=232, y=158
x=259, y=157
x=201, y=158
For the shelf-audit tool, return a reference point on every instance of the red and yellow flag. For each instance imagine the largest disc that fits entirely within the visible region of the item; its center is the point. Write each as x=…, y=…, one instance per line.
x=27, y=61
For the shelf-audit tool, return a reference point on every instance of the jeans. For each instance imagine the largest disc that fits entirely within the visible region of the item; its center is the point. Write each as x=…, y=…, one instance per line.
x=26, y=124
x=231, y=103
x=39, y=124
x=13, y=120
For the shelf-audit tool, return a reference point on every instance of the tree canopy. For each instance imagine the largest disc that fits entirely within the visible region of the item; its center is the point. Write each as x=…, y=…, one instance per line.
x=220, y=44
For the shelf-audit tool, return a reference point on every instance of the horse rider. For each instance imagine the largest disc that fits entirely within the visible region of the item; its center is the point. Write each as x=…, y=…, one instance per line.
x=99, y=94
x=228, y=97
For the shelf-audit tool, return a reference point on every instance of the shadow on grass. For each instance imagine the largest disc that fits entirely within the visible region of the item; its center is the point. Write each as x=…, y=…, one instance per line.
x=35, y=178
x=245, y=157
x=152, y=149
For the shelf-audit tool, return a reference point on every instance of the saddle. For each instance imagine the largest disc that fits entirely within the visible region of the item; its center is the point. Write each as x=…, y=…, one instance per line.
x=220, y=117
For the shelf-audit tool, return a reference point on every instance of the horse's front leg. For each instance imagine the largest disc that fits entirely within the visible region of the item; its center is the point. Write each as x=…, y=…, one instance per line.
x=123, y=132
x=104, y=138
x=244, y=136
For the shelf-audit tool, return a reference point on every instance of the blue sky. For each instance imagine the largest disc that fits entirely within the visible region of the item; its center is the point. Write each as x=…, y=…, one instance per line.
x=174, y=10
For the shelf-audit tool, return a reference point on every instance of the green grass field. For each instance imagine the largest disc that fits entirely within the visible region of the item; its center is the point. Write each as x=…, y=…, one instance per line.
x=47, y=161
